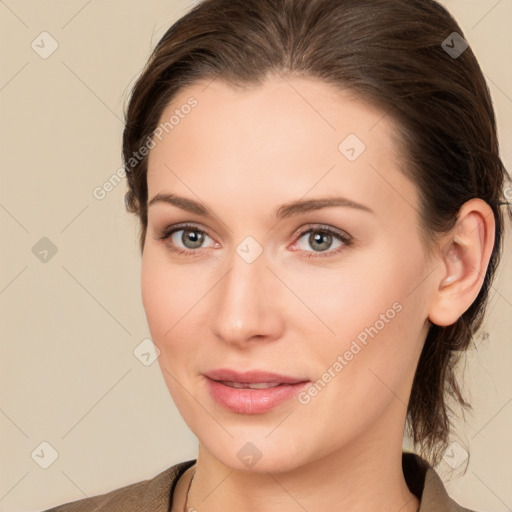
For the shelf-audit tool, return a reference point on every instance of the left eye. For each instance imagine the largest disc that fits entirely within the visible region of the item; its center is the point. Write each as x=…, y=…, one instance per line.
x=322, y=239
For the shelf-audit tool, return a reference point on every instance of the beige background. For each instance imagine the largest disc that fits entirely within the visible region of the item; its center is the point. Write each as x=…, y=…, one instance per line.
x=69, y=326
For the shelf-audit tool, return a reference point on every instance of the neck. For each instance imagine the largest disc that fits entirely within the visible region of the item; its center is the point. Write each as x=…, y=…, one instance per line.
x=366, y=475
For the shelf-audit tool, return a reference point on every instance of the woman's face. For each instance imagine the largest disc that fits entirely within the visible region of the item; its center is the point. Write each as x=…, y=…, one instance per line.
x=263, y=286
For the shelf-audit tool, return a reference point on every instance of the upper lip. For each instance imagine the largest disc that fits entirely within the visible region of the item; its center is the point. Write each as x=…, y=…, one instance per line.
x=229, y=375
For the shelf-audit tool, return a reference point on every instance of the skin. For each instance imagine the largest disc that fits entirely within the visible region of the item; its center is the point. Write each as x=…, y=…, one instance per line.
x=242, y=153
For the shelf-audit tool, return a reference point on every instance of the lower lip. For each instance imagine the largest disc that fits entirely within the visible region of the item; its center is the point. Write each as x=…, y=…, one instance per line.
x=253, y=401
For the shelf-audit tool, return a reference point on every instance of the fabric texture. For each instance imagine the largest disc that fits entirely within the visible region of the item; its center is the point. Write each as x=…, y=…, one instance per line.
x=155, y=494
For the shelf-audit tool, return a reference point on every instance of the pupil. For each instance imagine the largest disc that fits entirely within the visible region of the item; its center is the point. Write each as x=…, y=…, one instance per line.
x=193, y=237
x=314, y=238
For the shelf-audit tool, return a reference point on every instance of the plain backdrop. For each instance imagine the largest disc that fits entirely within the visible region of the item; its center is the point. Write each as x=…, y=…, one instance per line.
x=70, y=306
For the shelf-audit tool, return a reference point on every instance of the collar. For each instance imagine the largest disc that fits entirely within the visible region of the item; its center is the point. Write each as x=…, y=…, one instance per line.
x=426, y=484
x=420, y=477
x=156, y=493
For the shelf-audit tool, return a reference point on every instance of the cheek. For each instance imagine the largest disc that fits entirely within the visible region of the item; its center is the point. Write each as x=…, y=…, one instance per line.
x=372, y=313
x=348, y=299
x=166, y=295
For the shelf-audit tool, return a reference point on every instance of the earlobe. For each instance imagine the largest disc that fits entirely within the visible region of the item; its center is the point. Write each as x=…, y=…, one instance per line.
x=462, y=260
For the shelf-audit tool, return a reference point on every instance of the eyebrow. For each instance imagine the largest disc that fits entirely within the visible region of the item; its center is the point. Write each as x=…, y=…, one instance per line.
x=284, y=211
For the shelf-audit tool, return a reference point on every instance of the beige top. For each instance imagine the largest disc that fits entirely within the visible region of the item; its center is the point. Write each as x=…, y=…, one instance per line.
x=155, y=494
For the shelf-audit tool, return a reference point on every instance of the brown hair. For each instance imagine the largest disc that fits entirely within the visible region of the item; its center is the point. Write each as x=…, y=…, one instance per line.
x=389, y=53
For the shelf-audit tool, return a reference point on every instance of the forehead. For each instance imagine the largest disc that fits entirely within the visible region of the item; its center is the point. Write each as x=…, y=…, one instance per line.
x=285, y=137
x=281, y=110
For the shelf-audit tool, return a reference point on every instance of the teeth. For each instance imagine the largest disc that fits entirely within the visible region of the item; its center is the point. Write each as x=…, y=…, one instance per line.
x=250, y=385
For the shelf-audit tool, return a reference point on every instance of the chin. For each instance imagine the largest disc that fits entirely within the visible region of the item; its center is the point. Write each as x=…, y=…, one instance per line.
x=251, y=452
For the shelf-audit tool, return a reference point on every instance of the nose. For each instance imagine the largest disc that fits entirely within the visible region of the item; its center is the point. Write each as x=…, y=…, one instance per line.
x=246, y=304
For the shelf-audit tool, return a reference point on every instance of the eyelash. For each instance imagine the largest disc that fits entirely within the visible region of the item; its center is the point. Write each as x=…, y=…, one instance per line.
x=341, y=236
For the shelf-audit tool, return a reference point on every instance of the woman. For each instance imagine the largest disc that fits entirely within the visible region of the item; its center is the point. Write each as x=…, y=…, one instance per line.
x=319, y=189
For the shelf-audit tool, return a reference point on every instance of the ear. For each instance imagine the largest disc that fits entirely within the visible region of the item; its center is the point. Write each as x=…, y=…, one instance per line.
x=462, y=261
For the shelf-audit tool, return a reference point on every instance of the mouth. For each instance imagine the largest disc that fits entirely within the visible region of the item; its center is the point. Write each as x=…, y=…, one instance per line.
x=253, y=392
x=248, y=385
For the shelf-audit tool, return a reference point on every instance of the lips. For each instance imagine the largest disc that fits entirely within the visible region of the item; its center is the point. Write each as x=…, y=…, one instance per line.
x=253, y=392
x=251, y=377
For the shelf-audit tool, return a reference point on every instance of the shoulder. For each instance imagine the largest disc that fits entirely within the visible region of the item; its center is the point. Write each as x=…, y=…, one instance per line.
x=435, y=495
x=425, y=483
x=153, y=494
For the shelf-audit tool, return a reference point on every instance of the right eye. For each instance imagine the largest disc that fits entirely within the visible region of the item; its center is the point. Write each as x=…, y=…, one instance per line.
x=189, y=236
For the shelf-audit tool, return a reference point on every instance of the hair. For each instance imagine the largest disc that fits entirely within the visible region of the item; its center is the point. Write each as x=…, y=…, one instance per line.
x=389, y=53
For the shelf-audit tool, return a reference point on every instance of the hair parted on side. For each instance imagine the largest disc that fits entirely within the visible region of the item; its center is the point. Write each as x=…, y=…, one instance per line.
x=388, y=53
